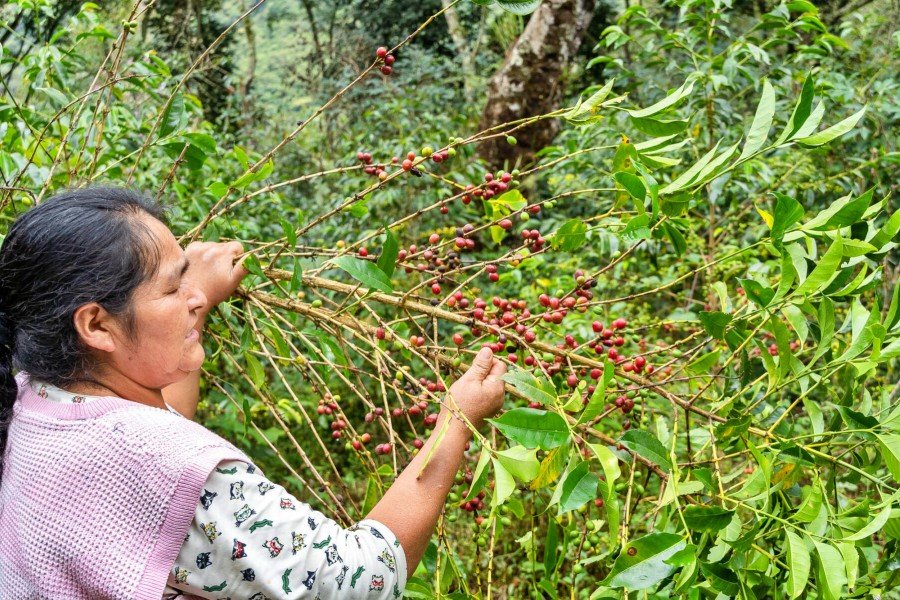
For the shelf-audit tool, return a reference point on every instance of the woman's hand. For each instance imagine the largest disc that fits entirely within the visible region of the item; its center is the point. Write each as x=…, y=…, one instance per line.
x=213, y=269
x=479, y=392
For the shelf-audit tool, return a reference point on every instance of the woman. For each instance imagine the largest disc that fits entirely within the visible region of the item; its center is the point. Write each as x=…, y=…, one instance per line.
x=107, y=491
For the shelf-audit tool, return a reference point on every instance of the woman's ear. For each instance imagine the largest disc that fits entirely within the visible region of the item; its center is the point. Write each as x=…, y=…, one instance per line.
x=95, y=327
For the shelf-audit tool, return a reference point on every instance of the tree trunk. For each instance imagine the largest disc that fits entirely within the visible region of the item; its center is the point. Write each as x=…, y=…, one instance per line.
x=530, y=82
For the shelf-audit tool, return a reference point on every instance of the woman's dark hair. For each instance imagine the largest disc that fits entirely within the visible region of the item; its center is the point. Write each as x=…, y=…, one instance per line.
x=80, y=246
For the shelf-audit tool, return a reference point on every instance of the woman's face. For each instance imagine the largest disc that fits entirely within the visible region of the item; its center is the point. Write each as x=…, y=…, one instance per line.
x=164, y=346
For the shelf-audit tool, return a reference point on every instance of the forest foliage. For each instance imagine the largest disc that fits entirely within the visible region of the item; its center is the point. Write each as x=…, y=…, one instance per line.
x=695, y=285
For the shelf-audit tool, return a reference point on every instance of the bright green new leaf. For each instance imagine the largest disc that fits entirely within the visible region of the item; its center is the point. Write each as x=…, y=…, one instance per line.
x=521, y=462
x=504, y=483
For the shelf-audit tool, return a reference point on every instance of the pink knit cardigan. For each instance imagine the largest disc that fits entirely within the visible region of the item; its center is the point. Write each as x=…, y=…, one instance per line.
x=96, y=498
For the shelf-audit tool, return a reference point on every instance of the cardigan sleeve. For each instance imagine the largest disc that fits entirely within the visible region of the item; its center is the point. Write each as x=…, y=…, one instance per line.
x=251, y=539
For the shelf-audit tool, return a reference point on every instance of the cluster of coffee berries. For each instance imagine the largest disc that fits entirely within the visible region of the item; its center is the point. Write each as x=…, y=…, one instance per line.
x=463, y=241
x=438, y=156
x=435, y=264
x=386, y=58
x=533, y=239
x=376, y=170
x=326, y=406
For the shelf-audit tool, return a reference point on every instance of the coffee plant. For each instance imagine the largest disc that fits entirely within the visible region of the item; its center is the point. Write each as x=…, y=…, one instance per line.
x=695, y=289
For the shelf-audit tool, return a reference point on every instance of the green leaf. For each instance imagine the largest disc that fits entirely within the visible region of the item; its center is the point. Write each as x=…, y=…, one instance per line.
x=841, y=213
x=598, y=398
x=550, y=468
x=255, y=370
x=647, y=565
x=521, y=462
x=762, y=122
x=570, y=236
x=646, y=445
x=872, y=527
x=173, y=116
x=589, y=106
x=715, y=323
x=533, y=428
x=578, y=488
x=704, y=364
x=857, y=420
x=811, y=504
x=478, y=477
x=824, y=270
x=519, y=7
x=637, y=228
x=676, y=237
x=536, y=390
x=890, y=451
x=633, y=185
x=365, y=272
x=721, y=578
x=802, y=6
x=510, y=201
x=887, y=232
x=798, y=563
x=831, y=575
x=733, y=427
x=387, y=260
x=685, y=179
x=801, y=111
x=835, y=131
x=709, y=519
x=504, y=483
x=787, y=212
x=610, y=464
x=659, y=127
x=671, y=100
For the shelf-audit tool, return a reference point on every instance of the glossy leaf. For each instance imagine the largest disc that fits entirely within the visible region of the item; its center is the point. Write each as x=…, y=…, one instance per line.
x=798, y=562
x=578, y=488
x=762, y=122
x=647, y=565
x=646, y=445
x=709, y=519
x=365, y=272
x=533, y=428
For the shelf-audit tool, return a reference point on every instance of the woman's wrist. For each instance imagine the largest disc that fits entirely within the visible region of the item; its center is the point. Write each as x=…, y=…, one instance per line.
x=456, y=421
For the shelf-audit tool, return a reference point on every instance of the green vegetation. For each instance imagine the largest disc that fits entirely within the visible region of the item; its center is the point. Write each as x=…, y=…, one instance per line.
x=695, y=282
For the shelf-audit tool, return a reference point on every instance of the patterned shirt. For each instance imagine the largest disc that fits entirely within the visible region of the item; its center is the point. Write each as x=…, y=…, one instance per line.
x=252, y=539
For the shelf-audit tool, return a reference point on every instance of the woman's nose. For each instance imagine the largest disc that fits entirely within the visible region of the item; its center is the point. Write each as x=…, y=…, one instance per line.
x=197, y=300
